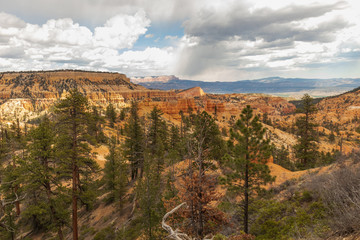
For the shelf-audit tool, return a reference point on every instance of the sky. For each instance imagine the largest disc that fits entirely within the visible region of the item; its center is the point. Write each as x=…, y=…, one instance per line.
x=210, y=40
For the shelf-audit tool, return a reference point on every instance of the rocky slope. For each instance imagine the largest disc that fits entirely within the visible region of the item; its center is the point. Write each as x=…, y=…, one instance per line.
x=26, y=94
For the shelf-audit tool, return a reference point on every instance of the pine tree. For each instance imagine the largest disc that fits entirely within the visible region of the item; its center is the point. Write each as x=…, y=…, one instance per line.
x=122, y=114
x=149, y=191
x=248, y=161
x=157, y=138
x=46, y=204
x=306, y=149
x=10, y=197
x=111, y=114
x=115, y=174
x=95, y=126
x=134, y=142
x=73, y=150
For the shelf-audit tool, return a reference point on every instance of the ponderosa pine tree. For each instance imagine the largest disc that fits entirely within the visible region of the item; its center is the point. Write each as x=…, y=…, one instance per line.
x=111, y=114
x=46, y=203
x=11, y=190
x=157, y=138
x=134, y=142
x=95, y=126
x=9, y=198
x=115, y=174
x=248, y=161
x=149, y=191
x=306, y=149
x=73, y=150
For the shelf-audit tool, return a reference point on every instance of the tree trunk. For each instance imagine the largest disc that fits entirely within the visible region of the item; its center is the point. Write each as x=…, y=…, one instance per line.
x=75, y=178
x=201, y=224
x=74, y=202
x=17, y=203
x=246, y=203
x=246, y=194
x=52, y=210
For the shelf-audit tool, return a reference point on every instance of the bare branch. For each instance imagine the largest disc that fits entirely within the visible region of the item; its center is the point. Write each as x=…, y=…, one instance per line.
x=174, y=234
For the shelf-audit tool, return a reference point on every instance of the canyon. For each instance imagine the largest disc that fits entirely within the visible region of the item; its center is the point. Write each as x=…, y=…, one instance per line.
x=26, y=95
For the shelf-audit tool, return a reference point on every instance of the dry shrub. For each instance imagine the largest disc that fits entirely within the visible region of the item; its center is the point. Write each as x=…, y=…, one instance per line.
x=340, y=192
x=243, y=236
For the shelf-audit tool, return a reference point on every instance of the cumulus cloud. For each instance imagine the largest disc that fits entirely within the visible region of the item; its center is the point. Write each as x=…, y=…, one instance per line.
x=63, y=43
x=122, y=31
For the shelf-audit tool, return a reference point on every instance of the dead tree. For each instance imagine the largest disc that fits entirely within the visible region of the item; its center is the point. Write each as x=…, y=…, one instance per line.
x=177, y=234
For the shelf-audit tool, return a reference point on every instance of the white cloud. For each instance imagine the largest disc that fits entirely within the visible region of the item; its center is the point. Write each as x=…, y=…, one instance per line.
x=149, y=35
x=62, y=43
x=121, y=31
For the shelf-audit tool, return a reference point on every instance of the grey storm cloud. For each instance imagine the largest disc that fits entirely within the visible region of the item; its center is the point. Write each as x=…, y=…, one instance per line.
x=12, y=52
x=271, y=25
x=239, y=37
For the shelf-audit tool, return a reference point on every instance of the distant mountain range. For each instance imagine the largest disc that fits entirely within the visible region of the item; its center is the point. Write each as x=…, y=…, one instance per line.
x=287, y=87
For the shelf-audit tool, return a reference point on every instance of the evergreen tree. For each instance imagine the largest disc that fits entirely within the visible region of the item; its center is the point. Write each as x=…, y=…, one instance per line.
x=148, y=191
x=157, y=138
x=10, y=197
x=134, y=142
x=206, y=137
x=115, y=174
x=248, y=161
x=281, y=157
x=122, y=114
x=73, y=150
x=46, y=204
x=306, y=149
x=111, y=114
x=95, y=126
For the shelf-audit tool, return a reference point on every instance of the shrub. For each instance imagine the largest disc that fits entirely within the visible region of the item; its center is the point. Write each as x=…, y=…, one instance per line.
x=340, y=193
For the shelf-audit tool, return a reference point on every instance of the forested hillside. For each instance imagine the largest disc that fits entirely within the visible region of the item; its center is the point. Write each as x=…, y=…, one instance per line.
x=186, y=179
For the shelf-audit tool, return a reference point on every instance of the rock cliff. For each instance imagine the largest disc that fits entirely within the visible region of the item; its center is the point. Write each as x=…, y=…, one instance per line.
x=25, y=94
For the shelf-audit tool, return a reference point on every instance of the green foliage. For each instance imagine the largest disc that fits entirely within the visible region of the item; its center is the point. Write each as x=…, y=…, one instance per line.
x=206, y=134
x=107, y=233
x=133, y=147
x=266, y=119
x=111, y=114
x=131, y=231
x=157, y=138
x=73, y=153
x=175, y=145
x=248, y=161
x=122, y=114
x=306, y=149
x=95, y=126
x=281, y=157
x=115, y=174
x=298, y=217
x=326, y=158
x=9, y=192
x=148, y=192
x=219, y=237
